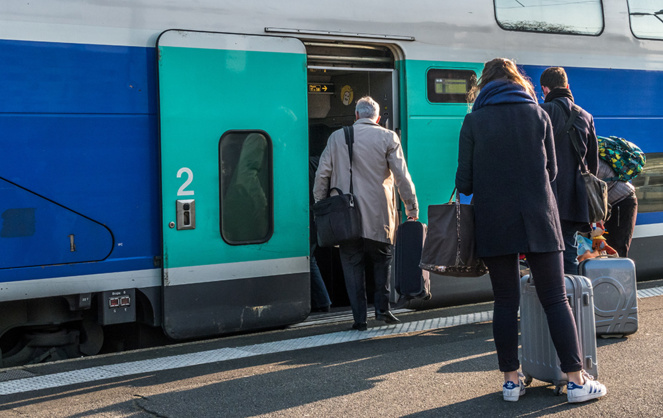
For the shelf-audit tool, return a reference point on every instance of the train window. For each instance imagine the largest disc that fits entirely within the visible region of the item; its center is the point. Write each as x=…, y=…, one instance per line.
x=245, y=187
x=646, y=18
x=449, y=86
x=552, y=16
x=649, y=184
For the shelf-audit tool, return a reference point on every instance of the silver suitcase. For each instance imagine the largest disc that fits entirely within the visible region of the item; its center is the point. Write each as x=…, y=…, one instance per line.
x=538, y=356
x=615, y=295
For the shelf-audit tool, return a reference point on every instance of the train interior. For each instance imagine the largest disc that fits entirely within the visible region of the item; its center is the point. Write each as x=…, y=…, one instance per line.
x=339, y=75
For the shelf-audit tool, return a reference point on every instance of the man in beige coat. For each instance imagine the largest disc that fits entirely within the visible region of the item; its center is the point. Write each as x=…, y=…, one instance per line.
x=377, y=165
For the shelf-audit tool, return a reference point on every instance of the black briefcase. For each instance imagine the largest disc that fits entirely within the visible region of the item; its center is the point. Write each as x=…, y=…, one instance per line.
x=337, y=219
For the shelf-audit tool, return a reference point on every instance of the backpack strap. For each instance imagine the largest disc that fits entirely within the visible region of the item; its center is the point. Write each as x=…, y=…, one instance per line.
x=572, y=132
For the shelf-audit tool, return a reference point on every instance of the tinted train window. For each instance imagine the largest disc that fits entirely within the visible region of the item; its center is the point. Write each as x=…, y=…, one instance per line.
x=649, y=184
x=554, y=16
x=646, y=18
x=449, y=86
x=245, y=187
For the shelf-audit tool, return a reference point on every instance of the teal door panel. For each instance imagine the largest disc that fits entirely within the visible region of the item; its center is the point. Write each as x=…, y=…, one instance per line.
x=214, y=86
x=433, y=163
x=430, y=132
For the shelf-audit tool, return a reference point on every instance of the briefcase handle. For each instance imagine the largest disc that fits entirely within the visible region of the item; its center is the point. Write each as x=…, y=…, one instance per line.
x=339, y=191
x=351, y=199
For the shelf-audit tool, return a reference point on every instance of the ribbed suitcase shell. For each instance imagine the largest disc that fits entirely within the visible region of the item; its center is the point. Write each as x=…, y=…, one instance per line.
x=538, y=356
x=615, y=294
x=411, y=280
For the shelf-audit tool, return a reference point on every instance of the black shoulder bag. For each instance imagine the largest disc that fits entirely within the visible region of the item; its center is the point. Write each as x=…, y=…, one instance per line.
x=597, y=189
x=337, y=217
x=450, y=246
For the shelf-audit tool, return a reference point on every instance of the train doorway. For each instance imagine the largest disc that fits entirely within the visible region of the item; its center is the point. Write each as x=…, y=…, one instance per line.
x=338, y=74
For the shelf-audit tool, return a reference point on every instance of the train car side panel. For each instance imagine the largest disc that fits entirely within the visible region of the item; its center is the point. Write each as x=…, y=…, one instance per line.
x=79, y=143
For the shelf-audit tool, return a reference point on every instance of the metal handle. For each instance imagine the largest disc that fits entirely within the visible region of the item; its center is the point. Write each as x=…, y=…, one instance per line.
x=186, y=214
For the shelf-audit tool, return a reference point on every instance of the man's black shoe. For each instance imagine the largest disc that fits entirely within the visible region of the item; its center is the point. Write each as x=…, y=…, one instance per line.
x=387, y=317
x=359, y=326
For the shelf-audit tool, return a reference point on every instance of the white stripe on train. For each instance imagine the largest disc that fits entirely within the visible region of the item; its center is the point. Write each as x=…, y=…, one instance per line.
x=648, y=230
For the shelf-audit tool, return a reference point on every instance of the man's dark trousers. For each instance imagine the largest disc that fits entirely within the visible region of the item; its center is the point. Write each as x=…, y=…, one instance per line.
x=354, y=256
x=621, y=224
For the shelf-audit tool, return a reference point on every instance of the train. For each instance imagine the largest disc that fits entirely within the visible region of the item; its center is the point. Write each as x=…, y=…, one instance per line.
x=154, y=155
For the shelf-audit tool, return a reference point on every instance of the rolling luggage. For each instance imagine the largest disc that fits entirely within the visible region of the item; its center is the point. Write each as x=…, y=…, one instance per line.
x=538, y=356
x=411, y=281
x=615, y=295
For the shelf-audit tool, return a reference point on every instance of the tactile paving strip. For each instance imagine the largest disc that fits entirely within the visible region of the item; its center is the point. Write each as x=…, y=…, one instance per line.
x=24, y=384
x=330, y=318
x=654, y=291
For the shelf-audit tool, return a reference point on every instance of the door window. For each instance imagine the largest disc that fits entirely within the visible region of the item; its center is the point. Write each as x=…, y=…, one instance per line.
x=245, y=182
x=449, y=86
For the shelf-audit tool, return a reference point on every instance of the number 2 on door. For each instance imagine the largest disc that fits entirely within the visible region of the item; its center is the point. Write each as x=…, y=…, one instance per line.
x=181, y=191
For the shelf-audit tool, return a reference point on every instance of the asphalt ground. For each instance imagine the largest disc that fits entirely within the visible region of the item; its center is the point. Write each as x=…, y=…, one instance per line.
x=427, y=367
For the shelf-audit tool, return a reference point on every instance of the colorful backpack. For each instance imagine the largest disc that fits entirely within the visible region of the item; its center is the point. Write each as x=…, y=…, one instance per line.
x=626, y=158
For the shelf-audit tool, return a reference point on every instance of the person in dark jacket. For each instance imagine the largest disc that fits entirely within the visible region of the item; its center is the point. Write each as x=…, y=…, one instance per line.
x=506, y=158
x=569, y=187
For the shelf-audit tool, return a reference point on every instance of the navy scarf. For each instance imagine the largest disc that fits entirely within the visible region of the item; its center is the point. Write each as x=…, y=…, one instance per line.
x=502, y=91
x=557, y=93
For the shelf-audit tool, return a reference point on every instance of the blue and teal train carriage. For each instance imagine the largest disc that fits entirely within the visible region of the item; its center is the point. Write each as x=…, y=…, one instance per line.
x=154, y=155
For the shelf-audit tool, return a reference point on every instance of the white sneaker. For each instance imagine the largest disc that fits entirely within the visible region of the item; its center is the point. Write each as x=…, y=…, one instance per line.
x=511, y=391
x=590, y=390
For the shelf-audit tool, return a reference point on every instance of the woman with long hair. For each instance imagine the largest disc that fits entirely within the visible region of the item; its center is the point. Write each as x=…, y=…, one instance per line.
x=506, y=159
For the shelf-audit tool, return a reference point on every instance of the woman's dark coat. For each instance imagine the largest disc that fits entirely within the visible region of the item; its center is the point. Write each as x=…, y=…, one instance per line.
x=507, y=159
x=569, y=187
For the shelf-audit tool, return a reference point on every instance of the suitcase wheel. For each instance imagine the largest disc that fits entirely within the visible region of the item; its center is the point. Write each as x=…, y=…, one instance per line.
x=428, y=296
x=528, y=380
x=559, y=390
x=612, y=335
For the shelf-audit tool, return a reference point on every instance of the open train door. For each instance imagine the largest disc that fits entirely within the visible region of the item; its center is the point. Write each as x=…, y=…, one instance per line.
x=234, y=182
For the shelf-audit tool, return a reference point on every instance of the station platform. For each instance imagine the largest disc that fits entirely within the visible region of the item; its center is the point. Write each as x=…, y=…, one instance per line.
x=435, y=363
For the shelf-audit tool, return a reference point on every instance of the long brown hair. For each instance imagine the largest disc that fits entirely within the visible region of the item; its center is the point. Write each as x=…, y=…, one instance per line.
x=501, y=68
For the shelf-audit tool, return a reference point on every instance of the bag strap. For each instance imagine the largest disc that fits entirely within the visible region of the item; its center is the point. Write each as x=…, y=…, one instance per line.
x=573, y=133
x=456, y=193
x=349, y=140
